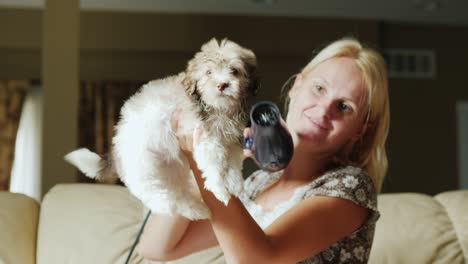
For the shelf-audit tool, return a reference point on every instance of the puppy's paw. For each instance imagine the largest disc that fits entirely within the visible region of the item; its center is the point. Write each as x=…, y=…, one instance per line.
x=194, y=209
x=222, y=194
x=161, y=205
x=201, y=155
x=234, y=182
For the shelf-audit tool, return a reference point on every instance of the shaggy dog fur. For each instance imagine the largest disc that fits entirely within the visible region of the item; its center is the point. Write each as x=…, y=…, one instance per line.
x=146, y=155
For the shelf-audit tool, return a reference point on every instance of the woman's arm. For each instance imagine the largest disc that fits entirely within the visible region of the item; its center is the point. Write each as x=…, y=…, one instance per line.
x=303, y=231
x=171, y=237
x=161, y=235
x=168, y=237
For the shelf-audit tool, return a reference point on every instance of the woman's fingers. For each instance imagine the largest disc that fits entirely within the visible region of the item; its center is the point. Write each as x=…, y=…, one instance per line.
x=188, y=142
x=248, y=140
x=247, y=132
x=185, y=142
x=246, y=153
x=197, y=134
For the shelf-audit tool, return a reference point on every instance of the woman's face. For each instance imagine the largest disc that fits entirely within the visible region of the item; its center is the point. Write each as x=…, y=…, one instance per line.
x=328, y=105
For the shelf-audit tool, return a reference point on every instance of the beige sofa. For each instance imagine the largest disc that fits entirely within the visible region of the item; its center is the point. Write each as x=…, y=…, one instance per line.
x=90, y=223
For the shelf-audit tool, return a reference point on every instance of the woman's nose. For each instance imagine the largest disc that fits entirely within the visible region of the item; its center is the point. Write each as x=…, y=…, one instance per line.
x=326, y=109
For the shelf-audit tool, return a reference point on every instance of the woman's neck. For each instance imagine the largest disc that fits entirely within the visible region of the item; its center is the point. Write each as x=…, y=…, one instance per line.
x=306, y=166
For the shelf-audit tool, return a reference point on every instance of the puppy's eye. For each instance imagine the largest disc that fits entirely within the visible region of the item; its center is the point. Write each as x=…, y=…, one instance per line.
x=234, y=71
x=208, y=72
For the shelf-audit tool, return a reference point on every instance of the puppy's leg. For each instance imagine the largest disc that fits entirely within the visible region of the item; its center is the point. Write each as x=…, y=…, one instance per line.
x=211, y=159
x=164, y=186
x=190, y=202
x=145, y=182
x=193, y=208
x=179, y=192
x=234, y=180
x=149, y=160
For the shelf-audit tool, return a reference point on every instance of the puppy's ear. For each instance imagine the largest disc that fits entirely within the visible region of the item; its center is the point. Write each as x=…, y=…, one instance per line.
x=254, y=85
x=225, y=42
x=254, y=80
x=210, y=45
x=189, y=83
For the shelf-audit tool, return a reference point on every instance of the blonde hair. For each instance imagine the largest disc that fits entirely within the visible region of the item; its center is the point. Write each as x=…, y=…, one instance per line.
x=369, y=152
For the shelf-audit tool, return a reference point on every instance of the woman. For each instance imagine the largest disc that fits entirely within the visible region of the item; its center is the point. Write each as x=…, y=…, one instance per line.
x=323, y=206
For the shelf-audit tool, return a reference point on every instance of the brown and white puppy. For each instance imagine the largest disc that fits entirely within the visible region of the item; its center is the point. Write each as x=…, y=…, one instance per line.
x=213, y=91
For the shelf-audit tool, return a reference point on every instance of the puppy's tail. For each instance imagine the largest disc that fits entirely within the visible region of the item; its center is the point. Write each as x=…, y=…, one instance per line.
x=93, y=165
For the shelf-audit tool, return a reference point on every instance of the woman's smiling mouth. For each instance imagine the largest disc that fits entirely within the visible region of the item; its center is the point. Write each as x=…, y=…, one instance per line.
x=318, y=124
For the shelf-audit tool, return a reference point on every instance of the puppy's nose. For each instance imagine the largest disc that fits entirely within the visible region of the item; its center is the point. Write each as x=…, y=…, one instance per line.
x=222, y=86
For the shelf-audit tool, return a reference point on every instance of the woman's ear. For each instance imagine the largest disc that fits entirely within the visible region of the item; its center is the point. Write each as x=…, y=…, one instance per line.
x=364, y=130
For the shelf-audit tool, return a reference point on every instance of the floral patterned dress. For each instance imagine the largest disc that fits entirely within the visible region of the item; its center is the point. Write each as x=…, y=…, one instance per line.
x=347, y=182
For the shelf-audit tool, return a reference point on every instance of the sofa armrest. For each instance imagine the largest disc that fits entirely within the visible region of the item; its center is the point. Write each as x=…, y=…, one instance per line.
x=18, y=228
x=414, y=228
x=456, y=205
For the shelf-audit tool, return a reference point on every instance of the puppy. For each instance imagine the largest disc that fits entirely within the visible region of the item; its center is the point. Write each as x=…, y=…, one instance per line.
x=213, y=91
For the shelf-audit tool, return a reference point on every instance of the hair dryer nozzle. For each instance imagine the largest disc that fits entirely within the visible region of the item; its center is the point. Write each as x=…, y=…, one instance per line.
x=272, y=144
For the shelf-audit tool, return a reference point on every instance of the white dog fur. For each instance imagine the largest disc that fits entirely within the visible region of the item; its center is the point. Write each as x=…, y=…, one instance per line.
x=146, y=155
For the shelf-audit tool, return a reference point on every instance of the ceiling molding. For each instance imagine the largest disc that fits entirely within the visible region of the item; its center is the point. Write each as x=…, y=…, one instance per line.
x=450, y=12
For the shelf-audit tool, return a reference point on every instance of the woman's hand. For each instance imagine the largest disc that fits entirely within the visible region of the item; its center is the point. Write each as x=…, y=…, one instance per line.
x=247, y=152
x=188, y=142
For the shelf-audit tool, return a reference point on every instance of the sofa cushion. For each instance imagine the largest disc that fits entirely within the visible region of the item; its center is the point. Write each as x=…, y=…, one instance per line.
x=88, y=223
x=414, y=228
x=18, y=221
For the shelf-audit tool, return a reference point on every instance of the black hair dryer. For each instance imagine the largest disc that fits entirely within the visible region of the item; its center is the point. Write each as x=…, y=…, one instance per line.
x=270, y=141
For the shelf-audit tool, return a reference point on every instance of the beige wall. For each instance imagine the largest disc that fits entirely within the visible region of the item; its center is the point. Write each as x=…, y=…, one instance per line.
x=147, y=46
x=20, y=43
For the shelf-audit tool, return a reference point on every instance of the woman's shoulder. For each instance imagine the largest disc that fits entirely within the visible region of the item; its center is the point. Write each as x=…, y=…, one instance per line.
x=347, y=182
x=353, y=184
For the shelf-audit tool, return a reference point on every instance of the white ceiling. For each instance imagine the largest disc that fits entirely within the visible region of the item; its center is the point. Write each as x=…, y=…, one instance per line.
x=453, y=12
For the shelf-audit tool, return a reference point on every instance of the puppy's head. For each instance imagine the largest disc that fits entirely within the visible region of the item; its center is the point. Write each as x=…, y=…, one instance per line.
x=222, y=75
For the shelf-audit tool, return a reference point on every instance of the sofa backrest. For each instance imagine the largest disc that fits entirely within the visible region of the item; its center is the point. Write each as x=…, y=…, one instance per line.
x=91, y=223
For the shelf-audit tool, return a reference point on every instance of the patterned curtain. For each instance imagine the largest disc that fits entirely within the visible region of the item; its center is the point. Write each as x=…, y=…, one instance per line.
x=100, y=103
x=12, y=95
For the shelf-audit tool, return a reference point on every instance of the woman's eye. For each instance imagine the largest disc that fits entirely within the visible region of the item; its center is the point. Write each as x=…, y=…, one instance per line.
x=319, y=88
x=344, y=107
x=234, y=71
x=208, y=72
